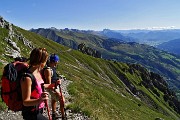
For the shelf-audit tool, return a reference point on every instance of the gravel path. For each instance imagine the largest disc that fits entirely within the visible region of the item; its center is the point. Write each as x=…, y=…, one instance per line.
x=10, y=115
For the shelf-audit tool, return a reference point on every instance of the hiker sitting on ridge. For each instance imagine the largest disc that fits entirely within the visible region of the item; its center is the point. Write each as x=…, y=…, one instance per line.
x=51, y=76
x=32, y=94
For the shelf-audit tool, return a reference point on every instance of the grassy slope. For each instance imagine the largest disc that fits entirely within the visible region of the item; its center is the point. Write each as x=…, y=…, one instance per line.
x=96, y=90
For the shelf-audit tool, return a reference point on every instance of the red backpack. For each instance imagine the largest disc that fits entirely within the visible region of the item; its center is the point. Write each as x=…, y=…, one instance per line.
x=11, y=90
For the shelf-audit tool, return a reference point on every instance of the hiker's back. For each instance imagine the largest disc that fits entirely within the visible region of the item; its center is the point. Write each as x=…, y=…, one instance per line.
x=55, y=76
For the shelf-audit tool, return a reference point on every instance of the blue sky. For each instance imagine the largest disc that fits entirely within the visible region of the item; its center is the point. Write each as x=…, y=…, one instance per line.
x=92, y=14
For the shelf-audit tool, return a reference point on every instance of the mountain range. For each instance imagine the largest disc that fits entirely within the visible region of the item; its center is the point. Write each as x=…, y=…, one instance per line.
x=156, y=60
x=150, y=37
x=114, y=86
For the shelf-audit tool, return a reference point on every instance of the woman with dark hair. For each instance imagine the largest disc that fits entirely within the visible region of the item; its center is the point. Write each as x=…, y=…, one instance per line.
x=32, y=93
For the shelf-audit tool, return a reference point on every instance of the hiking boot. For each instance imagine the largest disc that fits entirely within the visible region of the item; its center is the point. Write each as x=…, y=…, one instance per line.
x=55, y=116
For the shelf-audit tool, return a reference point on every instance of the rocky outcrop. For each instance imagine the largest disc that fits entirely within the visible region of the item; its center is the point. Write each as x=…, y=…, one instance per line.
x=131, y=88
x=13, y=50
x=12, y=44
x=12, y=53
x=89, y=51
x=156, y=84
x=152, y=82
x=25, y=41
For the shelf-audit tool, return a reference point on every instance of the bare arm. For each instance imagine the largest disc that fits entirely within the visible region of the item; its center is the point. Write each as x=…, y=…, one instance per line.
x=49, y=86
x=26, y=93
x=47, y=75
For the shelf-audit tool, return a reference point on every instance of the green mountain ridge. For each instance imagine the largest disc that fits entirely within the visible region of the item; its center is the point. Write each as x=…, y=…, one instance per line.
x=156, y=60
x=102, y=89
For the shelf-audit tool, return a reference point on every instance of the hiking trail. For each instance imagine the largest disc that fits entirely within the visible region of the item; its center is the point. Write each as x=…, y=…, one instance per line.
x=10, y=115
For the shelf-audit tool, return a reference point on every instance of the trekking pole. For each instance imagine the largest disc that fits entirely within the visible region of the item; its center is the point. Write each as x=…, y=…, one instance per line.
x=46, y=103
x=62, y=103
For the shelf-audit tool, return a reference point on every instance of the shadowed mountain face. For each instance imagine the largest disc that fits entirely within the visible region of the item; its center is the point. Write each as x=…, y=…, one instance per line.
x=156, y=60
x=172, y=46
x=101, y=89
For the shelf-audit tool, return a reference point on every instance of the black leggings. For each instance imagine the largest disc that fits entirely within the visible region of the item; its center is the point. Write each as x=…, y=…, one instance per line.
x=36, y=115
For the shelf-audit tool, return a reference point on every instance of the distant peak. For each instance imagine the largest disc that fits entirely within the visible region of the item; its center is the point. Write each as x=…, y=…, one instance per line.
x=53, y=28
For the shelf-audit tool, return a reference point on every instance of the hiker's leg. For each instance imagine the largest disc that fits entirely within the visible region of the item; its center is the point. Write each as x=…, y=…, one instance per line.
x=41, y=117
x=62, y=102
x=28, y=115
x=53, y=103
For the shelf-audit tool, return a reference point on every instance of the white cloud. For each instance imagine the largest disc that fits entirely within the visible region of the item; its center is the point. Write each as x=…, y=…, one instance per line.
x=160, y=28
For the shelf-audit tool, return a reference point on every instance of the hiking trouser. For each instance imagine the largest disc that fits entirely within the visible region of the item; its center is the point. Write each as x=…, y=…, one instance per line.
x=35, y=115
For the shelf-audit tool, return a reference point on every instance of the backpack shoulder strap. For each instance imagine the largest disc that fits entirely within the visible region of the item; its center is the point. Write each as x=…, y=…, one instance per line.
x=33, y=79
